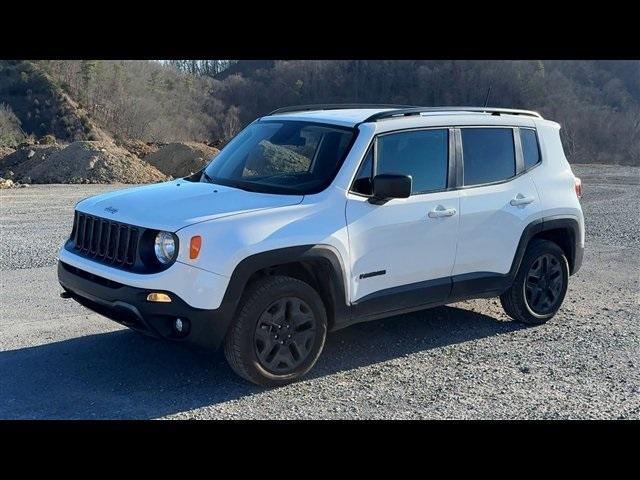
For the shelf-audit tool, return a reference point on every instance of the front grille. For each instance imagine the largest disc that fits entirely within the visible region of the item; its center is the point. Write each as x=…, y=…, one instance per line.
x=106, y=241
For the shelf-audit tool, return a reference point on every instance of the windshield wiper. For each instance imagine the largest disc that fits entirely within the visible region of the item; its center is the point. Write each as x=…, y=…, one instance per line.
x=244, y=186
x=280, y=175
x=207, y=177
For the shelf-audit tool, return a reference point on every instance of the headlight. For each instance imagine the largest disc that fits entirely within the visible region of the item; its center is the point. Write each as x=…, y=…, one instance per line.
x=165, y=247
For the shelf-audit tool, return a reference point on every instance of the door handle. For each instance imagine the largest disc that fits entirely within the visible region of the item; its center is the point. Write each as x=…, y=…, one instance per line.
x=521, y=200
x=440, y=212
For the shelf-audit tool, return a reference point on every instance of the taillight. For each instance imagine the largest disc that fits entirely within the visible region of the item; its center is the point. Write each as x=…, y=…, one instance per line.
x=578, y=187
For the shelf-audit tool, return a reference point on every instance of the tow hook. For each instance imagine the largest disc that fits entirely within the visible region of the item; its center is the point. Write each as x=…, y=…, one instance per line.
x=65, y=294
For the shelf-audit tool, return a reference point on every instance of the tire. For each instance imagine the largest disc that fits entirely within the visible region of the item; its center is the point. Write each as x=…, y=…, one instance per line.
x=279, y=331
x=529, y=300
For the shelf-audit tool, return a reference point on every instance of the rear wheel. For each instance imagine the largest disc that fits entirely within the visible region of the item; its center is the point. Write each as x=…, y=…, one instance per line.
x=279, y=332
x=540, y=284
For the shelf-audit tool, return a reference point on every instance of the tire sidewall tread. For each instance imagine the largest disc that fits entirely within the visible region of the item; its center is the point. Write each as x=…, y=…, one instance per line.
x=238, y=345
x=514, y=301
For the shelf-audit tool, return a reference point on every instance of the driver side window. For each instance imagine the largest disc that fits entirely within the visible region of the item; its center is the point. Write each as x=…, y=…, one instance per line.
x=422, y=154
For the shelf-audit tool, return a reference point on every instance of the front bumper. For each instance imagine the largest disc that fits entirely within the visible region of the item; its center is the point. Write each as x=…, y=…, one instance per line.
x=129, y=306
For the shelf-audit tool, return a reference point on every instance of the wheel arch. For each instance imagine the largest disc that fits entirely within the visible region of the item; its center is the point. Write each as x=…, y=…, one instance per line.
x=319, y=265
x=565, y=232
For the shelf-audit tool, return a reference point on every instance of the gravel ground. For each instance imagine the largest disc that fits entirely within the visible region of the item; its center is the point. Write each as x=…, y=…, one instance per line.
x=467, y=360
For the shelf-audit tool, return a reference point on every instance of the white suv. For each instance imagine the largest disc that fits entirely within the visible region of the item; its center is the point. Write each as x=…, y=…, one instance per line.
x=317, y=217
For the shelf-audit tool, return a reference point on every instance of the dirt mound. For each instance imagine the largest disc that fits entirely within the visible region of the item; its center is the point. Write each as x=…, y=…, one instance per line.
x=19, y=163
x=138, y=148
x=181, y=159
x=79, y=162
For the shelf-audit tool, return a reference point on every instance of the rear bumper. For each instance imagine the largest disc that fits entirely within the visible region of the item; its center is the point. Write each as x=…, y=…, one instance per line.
x=577, y=259
x=129, y=306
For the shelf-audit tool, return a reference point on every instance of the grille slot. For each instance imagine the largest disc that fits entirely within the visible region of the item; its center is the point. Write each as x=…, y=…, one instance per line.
x=110, y=242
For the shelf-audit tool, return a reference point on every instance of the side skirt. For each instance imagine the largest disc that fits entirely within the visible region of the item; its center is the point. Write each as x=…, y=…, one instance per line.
x=429, y=294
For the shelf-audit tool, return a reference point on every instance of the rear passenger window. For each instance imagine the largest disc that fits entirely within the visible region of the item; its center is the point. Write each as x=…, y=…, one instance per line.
x=489, y=155
x=423, y=154
x=530, y=149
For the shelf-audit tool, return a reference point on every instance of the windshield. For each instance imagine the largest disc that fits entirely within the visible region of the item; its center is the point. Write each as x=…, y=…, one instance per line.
x=290, y=157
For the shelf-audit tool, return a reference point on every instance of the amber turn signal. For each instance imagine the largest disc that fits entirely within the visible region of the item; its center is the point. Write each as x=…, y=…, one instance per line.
x=194, y=247
x=158, y=297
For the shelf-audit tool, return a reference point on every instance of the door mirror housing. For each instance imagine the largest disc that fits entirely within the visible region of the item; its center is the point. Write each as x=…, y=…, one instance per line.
x=389, y=185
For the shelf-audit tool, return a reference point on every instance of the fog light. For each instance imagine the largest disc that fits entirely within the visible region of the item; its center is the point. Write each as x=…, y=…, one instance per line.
x=181, y=326
x=158, y=297
x=178, y=325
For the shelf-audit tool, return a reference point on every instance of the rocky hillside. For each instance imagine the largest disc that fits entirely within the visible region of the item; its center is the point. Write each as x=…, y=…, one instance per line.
x=64, y=145
x=41, y=106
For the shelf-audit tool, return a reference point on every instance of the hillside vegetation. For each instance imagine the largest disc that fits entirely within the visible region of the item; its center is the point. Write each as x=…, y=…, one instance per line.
x=40, y=106
x=596, y=102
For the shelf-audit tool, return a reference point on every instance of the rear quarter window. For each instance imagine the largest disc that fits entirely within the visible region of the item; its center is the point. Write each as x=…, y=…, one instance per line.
x=530, y=148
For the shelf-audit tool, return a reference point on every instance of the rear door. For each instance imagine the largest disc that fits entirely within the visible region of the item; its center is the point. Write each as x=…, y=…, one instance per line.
x=497, y=200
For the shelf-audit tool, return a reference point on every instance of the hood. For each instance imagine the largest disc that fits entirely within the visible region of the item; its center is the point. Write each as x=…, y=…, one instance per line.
x=173, y=205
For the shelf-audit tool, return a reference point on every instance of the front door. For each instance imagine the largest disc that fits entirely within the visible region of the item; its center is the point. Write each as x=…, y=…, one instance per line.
x=403, y=251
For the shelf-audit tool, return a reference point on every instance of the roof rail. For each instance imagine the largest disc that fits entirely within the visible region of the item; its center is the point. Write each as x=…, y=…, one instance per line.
x=403, y=112
x=337, y=106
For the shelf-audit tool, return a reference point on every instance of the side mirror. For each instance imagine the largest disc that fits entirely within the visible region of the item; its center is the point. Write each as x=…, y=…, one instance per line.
x=389, y=185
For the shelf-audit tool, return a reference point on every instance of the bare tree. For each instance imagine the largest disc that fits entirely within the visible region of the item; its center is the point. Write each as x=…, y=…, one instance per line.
x=231, y=123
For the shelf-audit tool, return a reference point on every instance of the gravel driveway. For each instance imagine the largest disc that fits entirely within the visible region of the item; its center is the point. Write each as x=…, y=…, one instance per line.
x=467, y=360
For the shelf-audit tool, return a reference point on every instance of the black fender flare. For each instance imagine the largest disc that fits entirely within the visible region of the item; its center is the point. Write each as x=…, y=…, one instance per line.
x=546, y=224
x=328, y=254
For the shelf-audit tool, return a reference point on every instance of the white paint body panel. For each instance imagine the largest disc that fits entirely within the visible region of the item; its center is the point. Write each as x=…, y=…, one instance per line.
x=554, y=178
x=199, y=288
x=172, y=205
x=319, y=219
x=490, y=227
x=397, y=237
x=401, y=239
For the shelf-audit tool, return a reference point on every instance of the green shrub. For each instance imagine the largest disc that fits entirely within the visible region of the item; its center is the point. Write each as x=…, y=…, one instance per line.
x=48, y=140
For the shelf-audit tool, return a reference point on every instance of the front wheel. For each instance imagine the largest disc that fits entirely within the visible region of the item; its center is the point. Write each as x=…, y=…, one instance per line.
x=279, y=332
x=540, y=284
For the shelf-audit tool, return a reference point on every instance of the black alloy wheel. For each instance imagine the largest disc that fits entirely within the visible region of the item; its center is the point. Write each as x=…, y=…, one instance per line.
x=284, y=335
x=543, y=286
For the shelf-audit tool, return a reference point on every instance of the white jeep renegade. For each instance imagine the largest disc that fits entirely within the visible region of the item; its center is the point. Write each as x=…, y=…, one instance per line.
x=317, y=217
